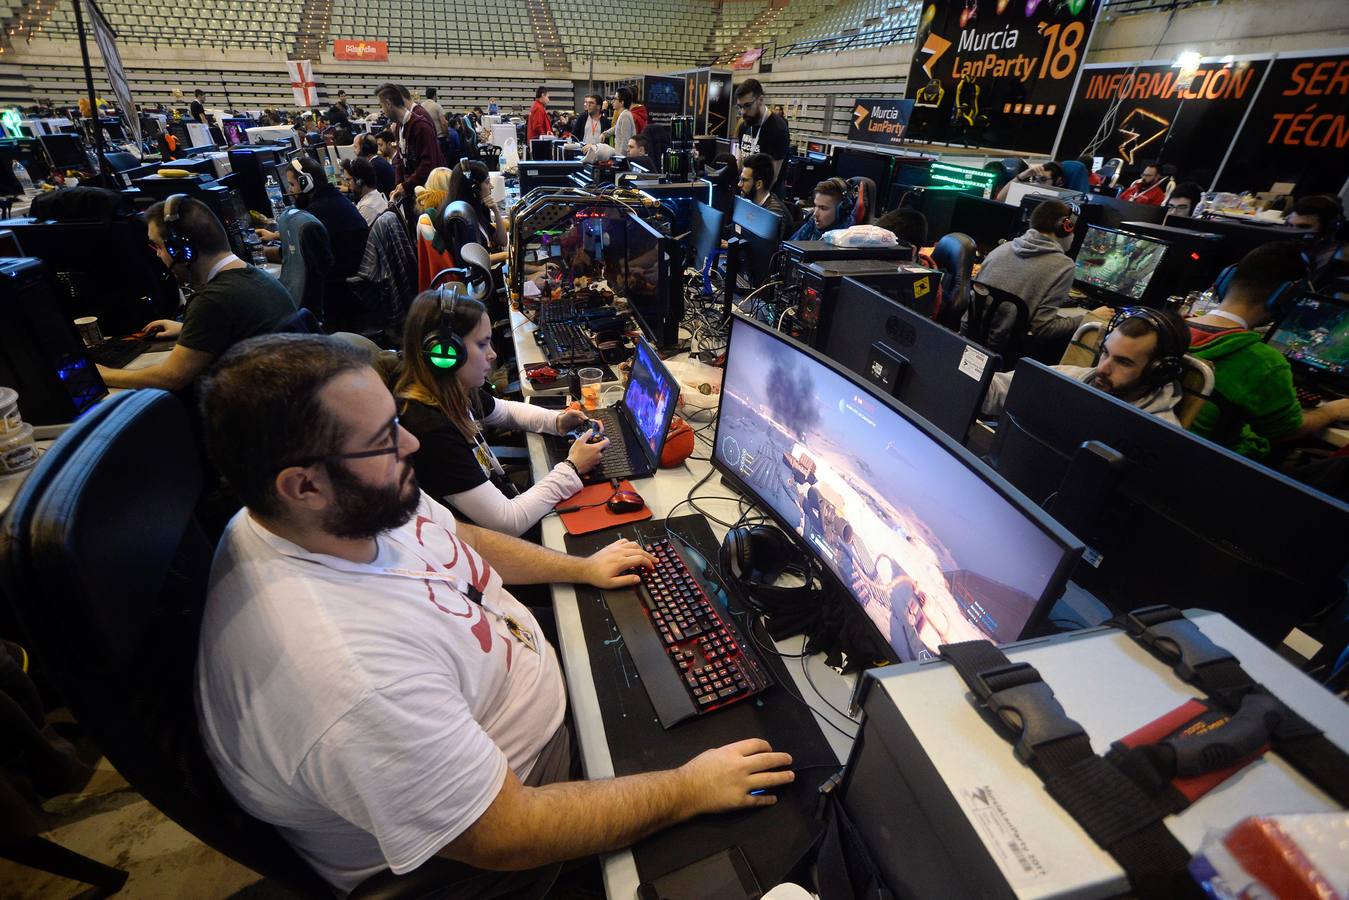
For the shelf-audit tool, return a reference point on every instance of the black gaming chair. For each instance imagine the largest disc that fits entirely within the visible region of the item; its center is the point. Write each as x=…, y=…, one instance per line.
x=106, y=574
x=864, y=199
x=985, y=309
x=954, y=255
x=457, y=225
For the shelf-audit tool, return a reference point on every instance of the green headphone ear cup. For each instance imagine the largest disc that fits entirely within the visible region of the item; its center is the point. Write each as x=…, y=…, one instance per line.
x=443, y=356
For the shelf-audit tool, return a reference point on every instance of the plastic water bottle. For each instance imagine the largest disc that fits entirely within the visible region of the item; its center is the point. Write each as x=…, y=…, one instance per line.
x=21, y=176
x=274, y=194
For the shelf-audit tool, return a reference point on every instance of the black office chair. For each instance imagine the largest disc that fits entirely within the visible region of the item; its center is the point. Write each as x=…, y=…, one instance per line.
x=954, y=255
x=457, y=225
x=985, y=311
x=301, y=322
x=864, y=199
x=107, y=574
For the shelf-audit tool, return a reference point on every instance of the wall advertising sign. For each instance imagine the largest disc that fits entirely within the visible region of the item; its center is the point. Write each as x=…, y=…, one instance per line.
x=996, y=73
x=361, y=51
x=1297, y=129
x=1145, y=113
x=880, y=121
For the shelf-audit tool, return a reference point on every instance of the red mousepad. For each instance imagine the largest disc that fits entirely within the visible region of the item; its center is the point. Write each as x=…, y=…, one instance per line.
x=597, y=518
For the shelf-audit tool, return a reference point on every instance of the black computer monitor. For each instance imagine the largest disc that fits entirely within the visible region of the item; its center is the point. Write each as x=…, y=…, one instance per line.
x=1117, y=211
x=988, y=222
x=850, y=163
x=66, y=151
x=1194, y=260
x=937, y=373
x=678, y=200
x=547, y=172
x=649, y=281
x=704, y=234
x=1177, y=519
x=113, y=129
x=1117, y=267
x=931, y=545
x=1239, y=238
x=27, y=152
x=1314, y=337
x=179, y=132
x=761, y=230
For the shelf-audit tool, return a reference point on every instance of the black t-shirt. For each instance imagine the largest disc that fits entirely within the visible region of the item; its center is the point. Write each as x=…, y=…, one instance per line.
x=198, y=111
x=772, y=137
x=237, y=304
x=446, y=462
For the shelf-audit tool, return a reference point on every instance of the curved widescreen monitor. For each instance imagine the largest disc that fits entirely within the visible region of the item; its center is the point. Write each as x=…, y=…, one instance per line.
x=929, y=542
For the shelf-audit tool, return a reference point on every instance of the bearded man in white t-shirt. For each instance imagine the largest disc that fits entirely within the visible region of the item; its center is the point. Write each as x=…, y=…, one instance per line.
x=366, y=683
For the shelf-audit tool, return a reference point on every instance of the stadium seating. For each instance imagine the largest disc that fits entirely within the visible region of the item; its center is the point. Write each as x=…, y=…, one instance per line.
x=499, y=28
x=668, y=33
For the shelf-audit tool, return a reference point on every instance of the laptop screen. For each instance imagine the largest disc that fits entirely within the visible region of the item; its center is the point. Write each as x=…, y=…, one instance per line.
x=1315, y=333
x=650, y=398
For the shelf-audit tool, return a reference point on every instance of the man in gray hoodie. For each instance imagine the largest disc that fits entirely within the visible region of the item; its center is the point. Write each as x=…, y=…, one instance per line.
x=1036, y=267
x=1126, y=368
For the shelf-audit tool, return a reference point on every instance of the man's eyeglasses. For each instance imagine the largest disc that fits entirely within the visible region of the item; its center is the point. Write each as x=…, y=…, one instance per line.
x=359, y=454
x=748, y=104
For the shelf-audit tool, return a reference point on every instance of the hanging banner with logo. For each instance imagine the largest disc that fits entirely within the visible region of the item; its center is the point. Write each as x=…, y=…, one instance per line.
x=1150, y=113
x=302, y=82
x=747, y=59
x=1297, y=130
x=880, y=120
x=112, y=61
x=361, y=51
x=996, y=73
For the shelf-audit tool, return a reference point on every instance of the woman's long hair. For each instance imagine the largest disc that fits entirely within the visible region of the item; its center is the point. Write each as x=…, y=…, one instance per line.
x=425, y=383
x=466, y=184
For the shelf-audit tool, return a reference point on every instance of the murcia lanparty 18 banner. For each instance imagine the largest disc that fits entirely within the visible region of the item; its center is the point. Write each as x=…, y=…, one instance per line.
x=996, y=73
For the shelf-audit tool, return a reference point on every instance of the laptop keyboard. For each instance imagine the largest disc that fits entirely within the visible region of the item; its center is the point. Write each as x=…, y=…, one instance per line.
x=614, y=463
x=116, y=353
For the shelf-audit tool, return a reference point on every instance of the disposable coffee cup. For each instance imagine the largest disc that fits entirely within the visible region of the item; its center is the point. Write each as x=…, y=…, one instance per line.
x=88, y=328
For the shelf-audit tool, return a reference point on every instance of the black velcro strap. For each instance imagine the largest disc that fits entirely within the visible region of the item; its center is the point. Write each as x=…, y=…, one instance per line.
x=1167, y=634
x=1107, y=805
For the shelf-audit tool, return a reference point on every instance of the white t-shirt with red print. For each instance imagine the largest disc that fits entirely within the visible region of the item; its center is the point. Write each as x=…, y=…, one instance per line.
x=370, y=711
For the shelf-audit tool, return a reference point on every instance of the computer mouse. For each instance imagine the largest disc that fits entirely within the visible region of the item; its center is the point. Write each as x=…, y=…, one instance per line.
x=625, y=502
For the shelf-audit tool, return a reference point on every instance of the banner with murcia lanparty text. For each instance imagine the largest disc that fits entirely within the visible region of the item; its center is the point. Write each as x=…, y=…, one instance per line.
x=1157, y=112
x=1297, y=130
x=996, y=73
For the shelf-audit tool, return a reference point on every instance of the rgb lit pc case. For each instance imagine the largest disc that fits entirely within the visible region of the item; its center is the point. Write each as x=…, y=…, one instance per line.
x=41, y=354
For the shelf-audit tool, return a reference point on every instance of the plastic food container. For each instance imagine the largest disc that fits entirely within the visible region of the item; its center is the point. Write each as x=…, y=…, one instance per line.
x=10, y=419
x=17, y=450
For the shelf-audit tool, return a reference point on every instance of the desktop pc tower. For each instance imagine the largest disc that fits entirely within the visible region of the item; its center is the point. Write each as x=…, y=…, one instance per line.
x=41, y=354
x=810, y=291
x=102, y=269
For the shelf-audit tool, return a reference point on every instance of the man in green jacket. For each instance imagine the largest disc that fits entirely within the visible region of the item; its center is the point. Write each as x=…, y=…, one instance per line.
x=1254, y=404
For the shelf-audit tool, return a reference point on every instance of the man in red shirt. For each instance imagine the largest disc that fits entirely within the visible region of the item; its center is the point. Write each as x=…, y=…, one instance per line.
x=539, y=123
x=1149, y=189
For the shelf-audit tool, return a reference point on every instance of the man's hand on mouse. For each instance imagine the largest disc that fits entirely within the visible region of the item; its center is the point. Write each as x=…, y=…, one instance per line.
x=585, y=454
x=722, y=779
x=162, y=329
x=611, y=566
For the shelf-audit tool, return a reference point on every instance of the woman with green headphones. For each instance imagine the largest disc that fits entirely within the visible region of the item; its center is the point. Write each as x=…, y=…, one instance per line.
x=447, y=356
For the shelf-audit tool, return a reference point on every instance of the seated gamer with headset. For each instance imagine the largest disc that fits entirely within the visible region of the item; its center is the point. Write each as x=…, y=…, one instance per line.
x=231, y=300
x=1321, y=215
x=366, y=682
x=441, y=400
x=1037, y=268
x=308, y=184
x=1254, y=402
x=833, y=209
x=1138, y=360
x=471, y=183
x=639, y=150
x=756, y=185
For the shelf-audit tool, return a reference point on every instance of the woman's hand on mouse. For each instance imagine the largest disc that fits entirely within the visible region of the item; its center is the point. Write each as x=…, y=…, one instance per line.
x=611, y=566
x=585, y=455
x=572, y=419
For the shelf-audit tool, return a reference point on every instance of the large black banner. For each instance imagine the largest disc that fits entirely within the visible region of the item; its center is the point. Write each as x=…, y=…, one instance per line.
x=880, y=121
x=996, y=73
x=1147, y=114
x=1298, y=129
